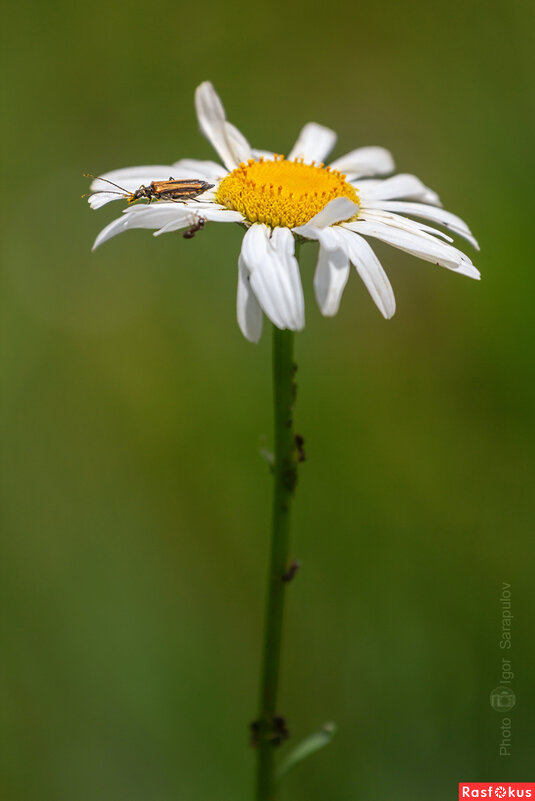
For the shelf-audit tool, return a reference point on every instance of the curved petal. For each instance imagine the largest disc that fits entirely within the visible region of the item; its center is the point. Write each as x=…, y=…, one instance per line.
x=177, y=224
x=370, y=270
x=284, y=243
x=213, y=124
x=419, y=244
x=450, y=221
x=195, y=168
x=337, y=210
x=111, y=230
x=330, y=278
x=239, y=144
x=365, y=161
x=221, y=215
x=399, y=221
x=274, y=275
x=314, y=143
x=248, y=311
x=133, y=175
x=399, y=186
x=100, y=199
x=155, y=216
x=192, y=217
x=268, y=155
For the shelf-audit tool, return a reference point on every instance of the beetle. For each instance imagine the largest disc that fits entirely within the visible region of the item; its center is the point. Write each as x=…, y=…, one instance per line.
x=173, y=189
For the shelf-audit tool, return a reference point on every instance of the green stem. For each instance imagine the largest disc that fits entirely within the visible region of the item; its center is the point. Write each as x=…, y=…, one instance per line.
x=269, y=728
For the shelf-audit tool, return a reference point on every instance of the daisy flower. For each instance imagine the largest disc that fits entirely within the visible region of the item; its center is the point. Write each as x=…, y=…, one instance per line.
x=283, y=200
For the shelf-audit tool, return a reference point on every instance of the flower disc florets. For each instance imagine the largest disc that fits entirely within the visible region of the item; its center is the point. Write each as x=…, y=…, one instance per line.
x=282, y=193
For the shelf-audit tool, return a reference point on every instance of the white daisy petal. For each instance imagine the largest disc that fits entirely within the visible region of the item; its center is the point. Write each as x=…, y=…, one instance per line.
x=268, y=155
x=419, y=244
x=258, y=257
x=213, y=124
x=209, y=171
x=249, y=313
x=176, y=225
x=329, y=284
x=337, y=210
x=365, y=161
x=330, y=278
x=154, y=216
x=274, y=276
x=397, y=221
x=314, y=143
x=324, y=235
x=399, y=186
x=370, y=270
x=212, y=118
x=111, y=230
x=239, y=144
x=283, y=241
x=221, y=215
x=450, y=221
x=101, y=198
x=192, y=215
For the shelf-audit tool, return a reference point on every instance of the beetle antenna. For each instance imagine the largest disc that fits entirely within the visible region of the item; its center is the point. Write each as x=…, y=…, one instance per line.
x=98, y=178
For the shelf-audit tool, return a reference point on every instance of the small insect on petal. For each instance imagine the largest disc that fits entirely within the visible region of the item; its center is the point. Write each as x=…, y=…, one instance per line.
x=175, y=190
x=198, y=225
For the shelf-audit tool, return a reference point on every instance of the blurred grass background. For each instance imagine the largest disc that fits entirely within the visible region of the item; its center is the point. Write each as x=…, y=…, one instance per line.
x=134, y=503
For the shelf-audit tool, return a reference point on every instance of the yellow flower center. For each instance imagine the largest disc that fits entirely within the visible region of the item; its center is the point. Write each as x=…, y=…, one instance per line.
x=282, y=193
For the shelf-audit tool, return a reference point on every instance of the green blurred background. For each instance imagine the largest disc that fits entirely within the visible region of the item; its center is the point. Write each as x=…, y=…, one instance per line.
x=135, y=505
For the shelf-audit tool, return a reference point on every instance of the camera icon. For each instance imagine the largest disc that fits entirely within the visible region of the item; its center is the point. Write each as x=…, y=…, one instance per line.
x=502, y=699
x=500, y=792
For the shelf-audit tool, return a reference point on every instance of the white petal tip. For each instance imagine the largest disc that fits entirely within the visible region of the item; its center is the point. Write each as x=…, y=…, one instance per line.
x=329, y=307
x=387, y=306
x=314, y=143
x=206, y=87
x=100, y=199
x=252, y=337
x=469, y=271
x=337, y=210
